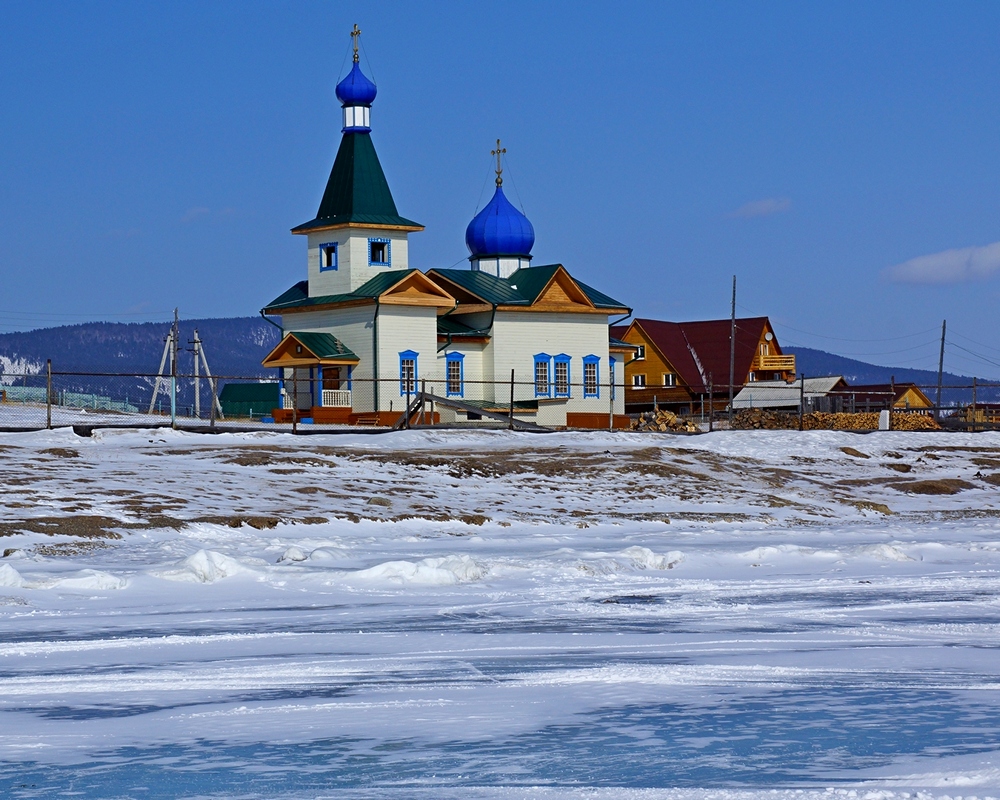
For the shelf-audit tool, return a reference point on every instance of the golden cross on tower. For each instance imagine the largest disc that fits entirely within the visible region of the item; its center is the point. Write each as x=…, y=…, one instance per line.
x=354, y=35
x=499, y=154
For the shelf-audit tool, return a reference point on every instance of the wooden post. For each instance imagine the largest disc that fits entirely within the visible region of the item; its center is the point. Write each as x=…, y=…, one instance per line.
x=937, y=410
x=732, y=354
x=407, y=411
x=432, y=406
x=892, y=397
x=295, y=399
x=611, y=400
x=423, y=401
x=974, y=405
x=197, y=378
x=211, y=413
x=511, y=409
x=802, y=397
x=173, y=373
x=711, y=403
x=48, y=393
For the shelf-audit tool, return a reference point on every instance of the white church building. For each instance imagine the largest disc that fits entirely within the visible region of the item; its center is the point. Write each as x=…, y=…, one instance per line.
x=364, y=331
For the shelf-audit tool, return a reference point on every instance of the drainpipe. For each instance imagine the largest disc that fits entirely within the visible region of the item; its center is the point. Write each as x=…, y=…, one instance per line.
x=375, y=356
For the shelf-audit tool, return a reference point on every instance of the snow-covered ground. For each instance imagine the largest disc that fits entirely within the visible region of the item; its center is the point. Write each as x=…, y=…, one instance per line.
x=449, y=614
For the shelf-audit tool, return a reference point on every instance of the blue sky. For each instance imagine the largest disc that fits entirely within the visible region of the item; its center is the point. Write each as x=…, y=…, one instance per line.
x=842, y=159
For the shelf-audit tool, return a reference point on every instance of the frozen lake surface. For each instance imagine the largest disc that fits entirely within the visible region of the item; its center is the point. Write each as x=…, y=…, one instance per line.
x=486, y=614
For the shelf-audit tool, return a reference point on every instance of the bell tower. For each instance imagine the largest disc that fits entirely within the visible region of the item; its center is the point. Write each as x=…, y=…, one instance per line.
x=357, y=232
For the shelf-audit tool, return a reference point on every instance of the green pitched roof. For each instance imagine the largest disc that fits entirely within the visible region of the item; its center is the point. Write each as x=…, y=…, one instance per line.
x=324, y=345
x=357, y=190
x=489, y=287
x=298, y=295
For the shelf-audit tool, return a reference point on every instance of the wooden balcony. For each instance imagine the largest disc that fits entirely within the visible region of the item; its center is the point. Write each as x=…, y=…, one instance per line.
x=774, y=363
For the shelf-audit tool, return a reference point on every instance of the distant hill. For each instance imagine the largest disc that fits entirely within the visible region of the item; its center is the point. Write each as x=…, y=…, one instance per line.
x=233, y=346
x=817, y=363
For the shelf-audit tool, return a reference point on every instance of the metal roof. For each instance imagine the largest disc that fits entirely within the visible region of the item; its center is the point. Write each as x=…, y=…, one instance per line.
x=357, y=190
x=780, y=394
x=323, y=345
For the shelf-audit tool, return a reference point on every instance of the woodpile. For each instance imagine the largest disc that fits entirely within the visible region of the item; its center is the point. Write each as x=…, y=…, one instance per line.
x=662, y=421
x=761, y=419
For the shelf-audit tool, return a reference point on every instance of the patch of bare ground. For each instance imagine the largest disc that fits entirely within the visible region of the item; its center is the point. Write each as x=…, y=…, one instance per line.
x=939, y=486
x=993, y=479
x=868, y=481
x=868, y=505
x=726, y=516
x=957, y=449
x=776, y=477
x=81, y=526
x=855, y=453
x=773, y=501
x=547, y=463
x=66, y=549
x=61, y=452
x=992, y=463
x=897, y=467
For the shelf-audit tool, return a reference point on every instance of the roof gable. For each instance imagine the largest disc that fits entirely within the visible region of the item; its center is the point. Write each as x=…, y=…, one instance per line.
x=416, y=289
x=700, y=350
x=306, y=348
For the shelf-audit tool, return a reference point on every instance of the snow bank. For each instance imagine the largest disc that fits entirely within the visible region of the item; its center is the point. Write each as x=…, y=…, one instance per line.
x=428, y=571
x=10, y=577
x=205, y=566
x=85, y=580
x=644, y=558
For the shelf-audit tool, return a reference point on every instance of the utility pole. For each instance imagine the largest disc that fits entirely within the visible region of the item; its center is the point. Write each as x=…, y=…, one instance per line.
x=937, y=410
x=732, y=354
x=197, y=382
x=173, y=372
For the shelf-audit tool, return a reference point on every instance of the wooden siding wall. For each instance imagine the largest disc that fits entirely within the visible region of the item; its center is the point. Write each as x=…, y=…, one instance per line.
x=519, y=335
x=407, y=328
x=352, y=269
x=654, y=366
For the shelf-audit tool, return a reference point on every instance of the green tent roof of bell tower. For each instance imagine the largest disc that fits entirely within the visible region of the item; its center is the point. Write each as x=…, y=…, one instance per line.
x=357, y=191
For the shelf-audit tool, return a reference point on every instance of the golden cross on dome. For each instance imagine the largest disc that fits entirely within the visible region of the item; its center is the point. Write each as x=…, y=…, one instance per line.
x=499, y=154
x=354, y=35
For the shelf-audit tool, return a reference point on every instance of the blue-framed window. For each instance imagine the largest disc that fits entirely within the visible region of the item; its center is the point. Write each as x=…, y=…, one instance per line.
x=591, y=376
x=379, y=252
x=543, y=375
x=407, y=372
x=454, y=364
x=611, y=374
x=328, y=256
x=561, y=376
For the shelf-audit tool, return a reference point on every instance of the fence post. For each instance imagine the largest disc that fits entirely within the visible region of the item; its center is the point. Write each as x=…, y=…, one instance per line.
x=295, y=400
x=711, y=403
x=892, y=397
x=211, y=413
x=511, y=409
x=423, y=401
x=48, y=393
x=611, y=401
x=407, y=410
x=974, y=420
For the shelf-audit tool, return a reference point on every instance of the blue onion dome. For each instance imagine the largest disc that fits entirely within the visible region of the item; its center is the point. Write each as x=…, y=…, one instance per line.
x=356, y=89
x=500, y=230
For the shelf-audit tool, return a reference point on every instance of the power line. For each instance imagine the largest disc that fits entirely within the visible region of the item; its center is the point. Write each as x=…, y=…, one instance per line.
x=977, y=355
x=980, y=344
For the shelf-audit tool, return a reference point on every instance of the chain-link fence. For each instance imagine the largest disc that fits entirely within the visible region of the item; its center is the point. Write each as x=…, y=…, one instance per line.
x=305, y=399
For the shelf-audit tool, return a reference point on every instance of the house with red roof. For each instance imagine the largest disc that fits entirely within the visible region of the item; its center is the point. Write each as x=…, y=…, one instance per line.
x=684, y=366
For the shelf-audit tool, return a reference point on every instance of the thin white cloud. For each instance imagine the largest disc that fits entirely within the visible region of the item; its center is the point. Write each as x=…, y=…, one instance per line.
x=949, y=266
x=762, y=208
x=194, y=213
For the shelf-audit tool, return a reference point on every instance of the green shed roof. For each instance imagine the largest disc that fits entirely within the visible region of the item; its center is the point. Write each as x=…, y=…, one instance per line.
x=324, y=345
x=357, y=190
x=249, y=393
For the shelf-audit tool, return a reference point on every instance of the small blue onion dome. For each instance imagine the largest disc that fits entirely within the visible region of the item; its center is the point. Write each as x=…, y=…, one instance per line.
x=500, y=230
x=356, y=89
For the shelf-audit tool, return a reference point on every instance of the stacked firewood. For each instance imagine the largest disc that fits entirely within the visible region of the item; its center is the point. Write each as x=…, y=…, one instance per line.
x=662, y=421
x=760, y=419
